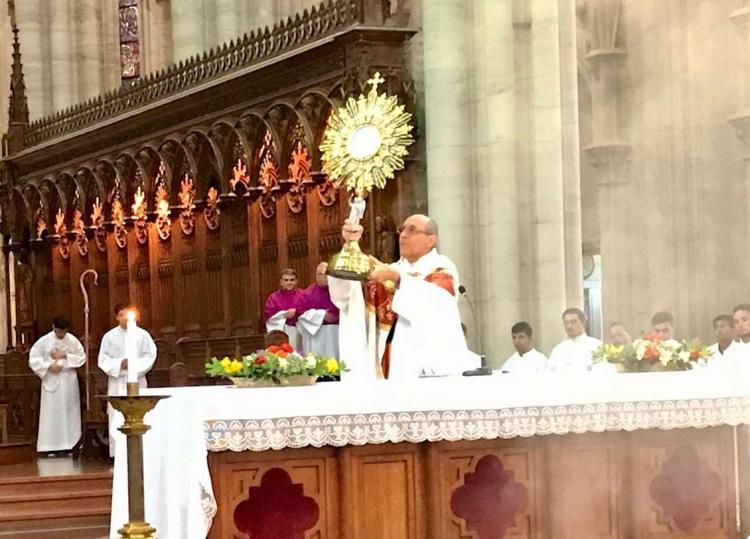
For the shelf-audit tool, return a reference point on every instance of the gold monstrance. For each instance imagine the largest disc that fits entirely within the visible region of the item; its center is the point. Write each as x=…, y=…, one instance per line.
x=363, y=146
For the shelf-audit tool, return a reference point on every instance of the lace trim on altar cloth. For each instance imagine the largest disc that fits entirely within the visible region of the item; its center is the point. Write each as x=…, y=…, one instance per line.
x=377, y=428
x=209, y=507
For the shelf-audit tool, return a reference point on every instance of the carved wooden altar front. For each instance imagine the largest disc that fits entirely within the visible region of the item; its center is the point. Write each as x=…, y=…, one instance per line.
x=646, y=484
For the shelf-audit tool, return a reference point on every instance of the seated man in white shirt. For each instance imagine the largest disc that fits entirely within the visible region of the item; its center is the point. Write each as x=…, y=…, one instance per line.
x=574, y=353
x=739, y=353
x=526, y=360
x=662, y=324
x=724, y=331
x=618, y=334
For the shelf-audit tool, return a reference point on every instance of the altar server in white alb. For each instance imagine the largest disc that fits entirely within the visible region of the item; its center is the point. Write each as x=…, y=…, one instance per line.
x=406, y=324
x=526, y=360
x=575, y=352
x=54, y=358
x=113, y=360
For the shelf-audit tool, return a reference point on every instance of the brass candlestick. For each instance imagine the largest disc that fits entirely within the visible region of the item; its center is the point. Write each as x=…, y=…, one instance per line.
x=134, y=407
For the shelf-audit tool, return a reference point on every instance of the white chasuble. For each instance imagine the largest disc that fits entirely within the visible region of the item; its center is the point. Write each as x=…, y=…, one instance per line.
x=412, y=331
x=60, y=403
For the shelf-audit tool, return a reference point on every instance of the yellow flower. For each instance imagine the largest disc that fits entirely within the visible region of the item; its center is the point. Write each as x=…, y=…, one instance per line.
x=332, y=365
x=225, y=363
x=234, y=367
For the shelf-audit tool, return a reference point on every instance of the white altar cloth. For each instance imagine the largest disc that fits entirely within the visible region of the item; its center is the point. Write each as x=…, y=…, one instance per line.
x=178, y=491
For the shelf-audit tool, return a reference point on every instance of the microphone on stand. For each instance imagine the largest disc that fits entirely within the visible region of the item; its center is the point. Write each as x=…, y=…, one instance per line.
x=483, y=370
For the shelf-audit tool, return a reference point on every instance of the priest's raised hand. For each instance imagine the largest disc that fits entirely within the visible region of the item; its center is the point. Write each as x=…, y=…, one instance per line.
x=351, y=231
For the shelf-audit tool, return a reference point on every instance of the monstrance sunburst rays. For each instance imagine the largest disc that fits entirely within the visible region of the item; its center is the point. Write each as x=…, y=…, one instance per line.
x=365, y=141
x=363, y=146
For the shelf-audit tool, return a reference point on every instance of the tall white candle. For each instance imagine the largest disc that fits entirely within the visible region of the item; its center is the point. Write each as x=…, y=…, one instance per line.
x=131, y=348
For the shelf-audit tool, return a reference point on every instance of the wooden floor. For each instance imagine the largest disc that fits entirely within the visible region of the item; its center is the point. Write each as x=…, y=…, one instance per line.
x=55, y=497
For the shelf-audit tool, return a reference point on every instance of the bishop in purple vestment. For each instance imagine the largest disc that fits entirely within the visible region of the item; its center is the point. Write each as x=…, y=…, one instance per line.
x=320, y=317
x=285, y=305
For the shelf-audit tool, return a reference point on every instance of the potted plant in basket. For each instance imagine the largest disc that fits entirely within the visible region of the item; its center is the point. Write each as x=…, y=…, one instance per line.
x=277, y=365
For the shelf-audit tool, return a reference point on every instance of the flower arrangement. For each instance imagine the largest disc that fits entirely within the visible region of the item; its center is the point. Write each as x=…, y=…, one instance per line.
x=650, y=353
x=276, y=365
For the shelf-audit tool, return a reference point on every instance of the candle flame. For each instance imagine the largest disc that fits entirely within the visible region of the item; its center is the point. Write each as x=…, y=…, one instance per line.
x=130, y=316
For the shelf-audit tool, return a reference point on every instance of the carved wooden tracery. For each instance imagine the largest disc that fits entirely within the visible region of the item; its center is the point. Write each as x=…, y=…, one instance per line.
x=299, y=171
x=268, y=174
x=187, y=205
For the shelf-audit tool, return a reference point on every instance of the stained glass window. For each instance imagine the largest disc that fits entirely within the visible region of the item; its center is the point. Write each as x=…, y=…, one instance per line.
x=130, y=57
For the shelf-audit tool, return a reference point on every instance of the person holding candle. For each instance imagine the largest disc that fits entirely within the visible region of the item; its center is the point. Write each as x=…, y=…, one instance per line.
x=126, y=354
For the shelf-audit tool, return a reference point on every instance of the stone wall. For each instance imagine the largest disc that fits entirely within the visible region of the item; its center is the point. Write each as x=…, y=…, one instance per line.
x=663, y=79
x=502, y=137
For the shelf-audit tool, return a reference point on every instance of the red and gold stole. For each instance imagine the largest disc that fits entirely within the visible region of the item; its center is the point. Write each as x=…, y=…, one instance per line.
x=382, y=319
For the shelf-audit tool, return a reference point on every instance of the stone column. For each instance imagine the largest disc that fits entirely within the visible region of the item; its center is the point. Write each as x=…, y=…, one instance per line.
x=259, y=14
x=571, y=165
x=109, y=54
x=496, y=255
x=610, y=155
x=448, y=135
x=6, y=46
x=4, y=297
x=229, y=26
x=741, y=120
x=61, y=54
x=87, y=65
x=556, y=264
x=156, y=35
x=36, y=74
x=187, y=28
x=11, y=288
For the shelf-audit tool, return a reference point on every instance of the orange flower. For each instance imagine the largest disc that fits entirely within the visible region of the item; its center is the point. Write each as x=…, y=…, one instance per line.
x=283, y=354
x=651, y=354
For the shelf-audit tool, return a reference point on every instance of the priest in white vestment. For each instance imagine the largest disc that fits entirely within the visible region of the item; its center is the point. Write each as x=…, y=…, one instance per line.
x=114, y=362
x=407, y=325
x=54, y=358
x=526, y=360
x=575, y=352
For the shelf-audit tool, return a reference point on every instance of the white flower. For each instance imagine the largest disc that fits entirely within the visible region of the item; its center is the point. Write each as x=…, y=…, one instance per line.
x=684, y=355
x=283, y=363
x=310, y=361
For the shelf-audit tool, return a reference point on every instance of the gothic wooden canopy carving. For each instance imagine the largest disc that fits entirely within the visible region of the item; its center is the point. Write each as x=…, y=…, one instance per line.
x=255, y=135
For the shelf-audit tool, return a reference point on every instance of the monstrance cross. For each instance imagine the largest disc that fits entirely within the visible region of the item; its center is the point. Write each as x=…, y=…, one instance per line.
x=376, y=81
